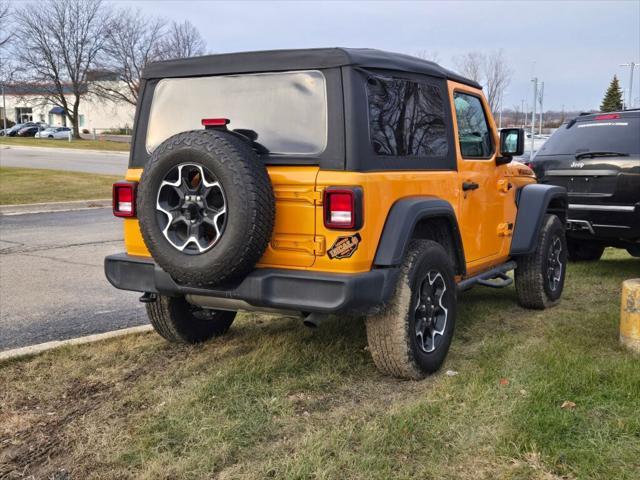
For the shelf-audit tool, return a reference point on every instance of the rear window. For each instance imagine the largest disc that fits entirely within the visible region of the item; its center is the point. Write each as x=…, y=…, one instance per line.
x=613, y=135
x=287, y=111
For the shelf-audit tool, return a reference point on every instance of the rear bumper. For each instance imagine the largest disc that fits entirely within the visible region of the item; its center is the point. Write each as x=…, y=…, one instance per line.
x=604, y=222
x=294, y=290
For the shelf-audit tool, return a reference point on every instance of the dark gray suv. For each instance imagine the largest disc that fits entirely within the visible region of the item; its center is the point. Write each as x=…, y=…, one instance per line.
x=596, y=157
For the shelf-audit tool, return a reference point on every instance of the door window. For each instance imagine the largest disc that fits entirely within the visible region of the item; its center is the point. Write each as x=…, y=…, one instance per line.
x=406, y=118
x=474, y=134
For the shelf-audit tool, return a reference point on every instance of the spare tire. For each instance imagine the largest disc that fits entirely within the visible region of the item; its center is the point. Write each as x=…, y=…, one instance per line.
x=206, y=207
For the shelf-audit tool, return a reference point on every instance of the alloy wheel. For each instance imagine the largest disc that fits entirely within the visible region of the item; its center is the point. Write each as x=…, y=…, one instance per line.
x=430, y=314
x=554, y=264
x=191, y=208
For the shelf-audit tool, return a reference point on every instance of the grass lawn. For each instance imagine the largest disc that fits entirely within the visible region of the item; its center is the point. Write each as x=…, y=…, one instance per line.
x=276, y=400
x=29, y=185
x=76, y=144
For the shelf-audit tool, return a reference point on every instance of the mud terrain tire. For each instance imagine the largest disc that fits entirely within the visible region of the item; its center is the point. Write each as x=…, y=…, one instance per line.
x=537, y=286
x=392, y=334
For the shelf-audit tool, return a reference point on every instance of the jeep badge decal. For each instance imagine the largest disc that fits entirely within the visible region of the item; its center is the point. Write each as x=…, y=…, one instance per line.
x=577, y=165
x=344, y=247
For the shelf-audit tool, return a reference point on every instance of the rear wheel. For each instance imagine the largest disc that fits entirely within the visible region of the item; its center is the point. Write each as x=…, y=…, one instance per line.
x=584, y=251
x=178, y=321
x=540, y=275
x=410, y=338
x=634, y=250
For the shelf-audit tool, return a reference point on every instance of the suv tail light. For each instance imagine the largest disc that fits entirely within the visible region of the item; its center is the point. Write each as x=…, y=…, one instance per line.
x=343, y=208
x=124, y=199
x=608, y=116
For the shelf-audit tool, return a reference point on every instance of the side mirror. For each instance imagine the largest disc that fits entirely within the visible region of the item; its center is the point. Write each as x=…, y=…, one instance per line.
x=511, y=144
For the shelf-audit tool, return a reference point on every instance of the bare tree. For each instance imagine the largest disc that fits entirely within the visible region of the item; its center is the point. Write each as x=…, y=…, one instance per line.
x=497, y=76
x=60, y=42
x=491, y=71
x=516, y=113
x=132, y=42
x=430, y=55
x=5, y=15
x=183, y=40
x=470, y=65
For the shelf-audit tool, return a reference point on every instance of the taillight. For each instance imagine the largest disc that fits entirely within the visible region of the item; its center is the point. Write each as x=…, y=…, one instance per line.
x=343, y=208
x=124, y=199
x=608, y=116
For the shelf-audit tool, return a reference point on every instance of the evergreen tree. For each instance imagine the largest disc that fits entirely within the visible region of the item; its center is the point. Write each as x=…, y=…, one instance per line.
x=612, y=101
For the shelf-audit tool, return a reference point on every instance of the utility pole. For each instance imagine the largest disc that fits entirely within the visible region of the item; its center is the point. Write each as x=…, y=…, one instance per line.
x=524, y=116
x=562, y=118
x=541, y=97
x=4, y=110
x=533, y=113
x=632, y=65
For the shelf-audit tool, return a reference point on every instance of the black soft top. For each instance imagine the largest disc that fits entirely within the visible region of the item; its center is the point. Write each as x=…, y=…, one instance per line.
x=301, y=59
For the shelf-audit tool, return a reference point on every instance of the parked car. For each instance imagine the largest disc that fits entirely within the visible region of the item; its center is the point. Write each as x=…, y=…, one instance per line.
x=329, y=181
x=596, y=157
x=13, y=131
x=57, y=133
x=30, y=130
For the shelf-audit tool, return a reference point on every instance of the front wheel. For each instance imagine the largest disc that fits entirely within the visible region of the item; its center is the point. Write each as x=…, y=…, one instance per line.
x=540, y=275
x=410, y=338
x=584, y=251
x=178, y=321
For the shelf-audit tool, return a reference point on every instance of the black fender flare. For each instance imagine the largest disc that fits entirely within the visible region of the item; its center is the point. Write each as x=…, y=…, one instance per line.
x=533, y=203
x=401, y=222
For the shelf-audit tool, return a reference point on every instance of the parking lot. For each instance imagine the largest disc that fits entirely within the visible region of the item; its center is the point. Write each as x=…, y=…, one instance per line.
x=52, y=284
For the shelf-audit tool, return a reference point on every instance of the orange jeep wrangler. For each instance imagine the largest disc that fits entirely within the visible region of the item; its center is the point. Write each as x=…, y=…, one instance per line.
x=329, y=181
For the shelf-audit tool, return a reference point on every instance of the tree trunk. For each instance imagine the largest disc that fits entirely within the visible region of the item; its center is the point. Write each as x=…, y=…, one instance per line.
x=75, y=121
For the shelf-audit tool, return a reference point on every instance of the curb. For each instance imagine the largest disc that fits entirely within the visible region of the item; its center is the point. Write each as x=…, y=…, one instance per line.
x=54, y=206
x=43, y=347
x=4, y=146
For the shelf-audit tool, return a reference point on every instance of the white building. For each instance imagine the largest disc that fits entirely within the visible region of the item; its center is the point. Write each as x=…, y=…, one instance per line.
x=27, y=103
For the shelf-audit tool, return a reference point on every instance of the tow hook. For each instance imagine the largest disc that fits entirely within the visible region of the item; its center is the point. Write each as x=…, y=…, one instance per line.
x=148, y=297
x=313, y=320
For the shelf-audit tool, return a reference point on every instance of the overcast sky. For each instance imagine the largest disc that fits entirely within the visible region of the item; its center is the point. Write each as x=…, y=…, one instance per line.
x=575, y=47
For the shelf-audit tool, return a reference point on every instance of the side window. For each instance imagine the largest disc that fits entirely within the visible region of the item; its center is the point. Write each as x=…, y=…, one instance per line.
x=406, y=118
x=473, y=129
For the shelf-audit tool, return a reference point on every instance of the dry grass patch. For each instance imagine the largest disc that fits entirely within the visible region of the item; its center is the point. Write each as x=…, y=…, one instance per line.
x=275, y=400
x=31, y=185
x=105, y=145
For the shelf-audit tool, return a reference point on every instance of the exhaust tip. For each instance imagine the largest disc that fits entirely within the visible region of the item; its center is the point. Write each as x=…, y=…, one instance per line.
x=313, y=320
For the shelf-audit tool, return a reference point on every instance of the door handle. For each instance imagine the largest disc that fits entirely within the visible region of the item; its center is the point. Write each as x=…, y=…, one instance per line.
x=469, y=186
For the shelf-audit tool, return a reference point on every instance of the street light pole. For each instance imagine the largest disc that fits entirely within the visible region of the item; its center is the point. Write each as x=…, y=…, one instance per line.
x=541, y=97
x=533, y=112
x=632, y=65
x=4, y=111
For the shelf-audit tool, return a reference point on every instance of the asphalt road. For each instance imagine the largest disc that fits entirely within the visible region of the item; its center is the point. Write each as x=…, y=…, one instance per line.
x=89, y=161
x=52, y=285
